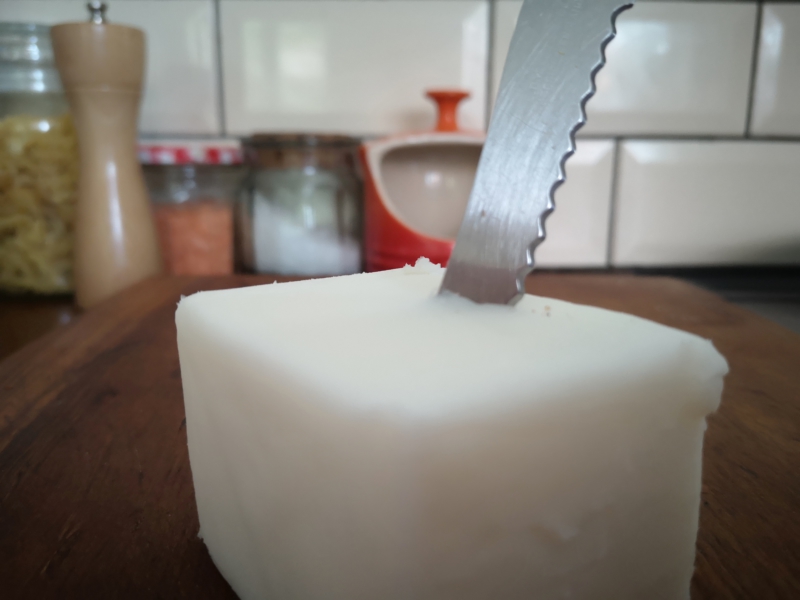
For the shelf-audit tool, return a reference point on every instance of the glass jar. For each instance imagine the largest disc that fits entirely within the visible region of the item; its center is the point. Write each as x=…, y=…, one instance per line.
x=192, y=188
x=38, y=165
x=300, y=210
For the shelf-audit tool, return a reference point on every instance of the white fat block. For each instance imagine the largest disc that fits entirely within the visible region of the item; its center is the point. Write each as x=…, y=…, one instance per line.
x=361, y=438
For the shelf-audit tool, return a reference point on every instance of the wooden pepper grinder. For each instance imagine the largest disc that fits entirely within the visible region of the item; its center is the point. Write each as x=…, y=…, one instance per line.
x=102, y=66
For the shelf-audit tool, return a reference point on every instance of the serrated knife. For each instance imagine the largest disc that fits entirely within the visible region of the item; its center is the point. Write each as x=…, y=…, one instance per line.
x=556, y=50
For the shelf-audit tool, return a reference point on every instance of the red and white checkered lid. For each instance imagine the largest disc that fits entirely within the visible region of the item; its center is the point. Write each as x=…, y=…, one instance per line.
x=216, y=152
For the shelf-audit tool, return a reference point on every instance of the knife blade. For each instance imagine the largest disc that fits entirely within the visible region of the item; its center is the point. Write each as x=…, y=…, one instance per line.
x=557, y=48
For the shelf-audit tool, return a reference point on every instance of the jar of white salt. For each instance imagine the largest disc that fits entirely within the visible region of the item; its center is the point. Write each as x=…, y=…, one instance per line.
x=300, y=209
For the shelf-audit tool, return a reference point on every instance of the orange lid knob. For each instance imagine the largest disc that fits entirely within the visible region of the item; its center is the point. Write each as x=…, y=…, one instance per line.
x=447, y=102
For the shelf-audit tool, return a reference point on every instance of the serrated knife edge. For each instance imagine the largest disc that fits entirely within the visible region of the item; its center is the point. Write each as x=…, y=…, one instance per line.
x=542, y=232
x=489, y=263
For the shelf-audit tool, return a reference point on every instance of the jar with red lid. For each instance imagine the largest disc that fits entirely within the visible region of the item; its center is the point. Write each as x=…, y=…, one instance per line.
x=192, y=188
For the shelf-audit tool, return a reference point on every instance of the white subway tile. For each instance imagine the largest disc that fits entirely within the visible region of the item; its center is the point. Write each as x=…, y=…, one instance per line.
x=674, y=68
x=180, y=94
x=707, y=203
x=348, y=65
x=577, y=232
x=181, y=86
x=776, y=107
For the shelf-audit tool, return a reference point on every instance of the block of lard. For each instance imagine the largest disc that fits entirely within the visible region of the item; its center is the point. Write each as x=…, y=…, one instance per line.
x=361, y=438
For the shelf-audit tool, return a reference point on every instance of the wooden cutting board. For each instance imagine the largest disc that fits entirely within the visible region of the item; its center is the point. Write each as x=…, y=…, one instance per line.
x=96, y=497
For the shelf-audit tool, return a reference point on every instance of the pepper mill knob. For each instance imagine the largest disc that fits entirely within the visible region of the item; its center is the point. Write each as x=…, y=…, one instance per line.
x=102, y=67
x=97, y=12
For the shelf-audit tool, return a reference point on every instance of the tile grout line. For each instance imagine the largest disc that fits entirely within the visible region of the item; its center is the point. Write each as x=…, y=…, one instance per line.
x=178, y=136
x=593, y=136
x=748, y=121
x=487, y=112
x=223, y=126
x=612, y=205
x=689, y=137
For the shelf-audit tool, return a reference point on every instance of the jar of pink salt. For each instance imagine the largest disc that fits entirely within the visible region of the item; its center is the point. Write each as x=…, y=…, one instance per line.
x=192, y=188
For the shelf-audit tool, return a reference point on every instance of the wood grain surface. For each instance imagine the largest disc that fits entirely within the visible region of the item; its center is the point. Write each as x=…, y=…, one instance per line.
x=25, y=318
x=96, y=497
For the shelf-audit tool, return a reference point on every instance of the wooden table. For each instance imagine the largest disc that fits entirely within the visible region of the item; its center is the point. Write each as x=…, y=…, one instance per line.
x=96, y=497
x=25, y=318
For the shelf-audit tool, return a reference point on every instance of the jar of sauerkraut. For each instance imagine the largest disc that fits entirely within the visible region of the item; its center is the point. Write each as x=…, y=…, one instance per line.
x=38, y=165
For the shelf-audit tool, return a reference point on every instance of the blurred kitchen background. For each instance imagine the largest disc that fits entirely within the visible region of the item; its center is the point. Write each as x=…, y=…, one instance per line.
x=689, y=163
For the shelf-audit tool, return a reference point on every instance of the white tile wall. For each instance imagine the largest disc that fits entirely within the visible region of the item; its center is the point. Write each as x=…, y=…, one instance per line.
x=705, y=202
x=776, y=110
x=674, y=68
x=181, y=86
x=577, y=232
x=349, y=65
x=360, y=66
